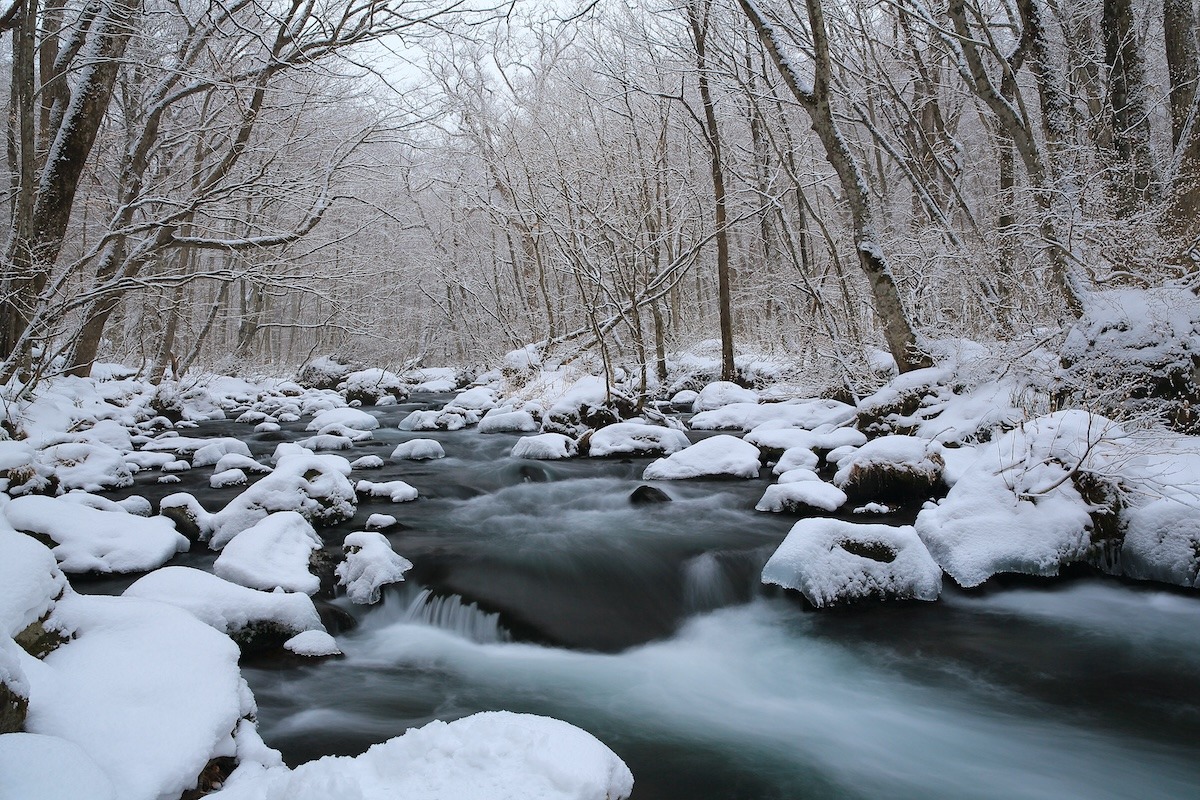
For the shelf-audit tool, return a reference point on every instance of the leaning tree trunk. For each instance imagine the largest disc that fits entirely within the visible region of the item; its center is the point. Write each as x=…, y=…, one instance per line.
x=897, y=328
x=1183, y=68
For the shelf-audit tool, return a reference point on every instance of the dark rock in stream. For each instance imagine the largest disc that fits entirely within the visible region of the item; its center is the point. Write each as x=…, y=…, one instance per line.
x=644, y=495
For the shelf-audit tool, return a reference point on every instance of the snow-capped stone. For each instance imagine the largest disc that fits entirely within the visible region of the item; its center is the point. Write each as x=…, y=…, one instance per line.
x=1162, y=543
x=891, y=467
x=349, y=417
x=367, y=462
x=91, y=467
x=722, y=393
x=636, y=438
x=419, y=450
x=508, y=422
x=478, y=398
x=370, y=564
x=210, y=454
x=496, y=755
x=377, y=522
x=796, y=458
x=545, y=447
x=832, y=562
x=273, y=553
x=314, y=644
x=238, y=461
x=87, y=540
x=31, y=579
x=717, y=455
x=229, y=477
x=368, y=386
x=33, y=767
x=801, y=496
x=396, y=491
x=806, y=414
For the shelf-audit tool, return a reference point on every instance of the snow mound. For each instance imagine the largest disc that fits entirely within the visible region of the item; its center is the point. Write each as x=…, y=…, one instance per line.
x=1162, y=543
x=369, y=386
x=891, y=467
x=445, y=420
x=799, y=457
x=31, y=580
x=493, y=755
x=273, y=553
x=1016, y=507
x=396, y=491
x=367, y=462
x=801, y=496
x=832, y=562
x=772, y=436
x=313, y=643
x=377, y=522
x=806, y=414
x=38, y=767
x=496, y=421
x=209, y=454
x=226, y=606
x=91, y=467
x=722, y=393
x=479, y=398
x=237, y=461
x=545, y=447
x=636, y=438
x=419, y=450
x=87, y=540
x=351, y=418
x=228, y=477
x=370, y=564
x=717, y=455
x=147, y=692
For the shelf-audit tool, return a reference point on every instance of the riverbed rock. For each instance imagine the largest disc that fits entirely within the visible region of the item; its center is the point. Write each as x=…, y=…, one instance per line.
x=369, y=386
x=801, y=497
x=635, y=438
x=716, y=456
x=832, y=562
x=647, y=495
x=897, y=468
x=325, y=372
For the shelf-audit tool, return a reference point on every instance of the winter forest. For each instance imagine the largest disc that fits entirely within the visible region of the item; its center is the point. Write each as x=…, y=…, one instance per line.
x=573, y=399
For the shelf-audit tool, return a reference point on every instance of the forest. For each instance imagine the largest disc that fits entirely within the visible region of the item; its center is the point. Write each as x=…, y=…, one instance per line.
x=598, y=399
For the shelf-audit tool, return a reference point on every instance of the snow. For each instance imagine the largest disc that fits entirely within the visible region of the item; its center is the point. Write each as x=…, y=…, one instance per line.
x=636, y=438
x=479, y=398
x=373, y=384
x=146, y=691
x=801, y=495
x=771, y=436
x=30, y=577
x=527, y=358
x=377, y=522
x=817, y=558
x=396, y=491
x=350, y=417
x=545, y=447
x=806, y=414
x=722, y=393
x=88, y=540
x=796, y=458
x=275, y=552
x=238, y=461
x=223, y=605
x=433, y=421
x=38, y=767
x=493, y=755
x=91, y=467
x=370, y=564
x=419, y=450
x=210, y=454
x=904, y=456
x=508, y=422
x=229, y=477
x=1162, y=543
x=367, y=462
x=717, y=455
x=327, y=441
x=312, y=643
x=1015, y=508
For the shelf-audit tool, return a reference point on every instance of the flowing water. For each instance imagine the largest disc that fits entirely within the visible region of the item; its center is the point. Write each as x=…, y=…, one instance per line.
x=539, y=587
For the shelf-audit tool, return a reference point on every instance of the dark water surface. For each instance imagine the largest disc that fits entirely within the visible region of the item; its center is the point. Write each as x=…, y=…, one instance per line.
x=539, y=587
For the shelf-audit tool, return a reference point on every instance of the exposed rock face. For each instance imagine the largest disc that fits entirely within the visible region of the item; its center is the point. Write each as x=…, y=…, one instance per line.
x=13, y=708
x=646, y=495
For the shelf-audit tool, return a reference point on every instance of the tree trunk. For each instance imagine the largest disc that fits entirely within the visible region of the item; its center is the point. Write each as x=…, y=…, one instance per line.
x=1135, y=175
x=1183, y=68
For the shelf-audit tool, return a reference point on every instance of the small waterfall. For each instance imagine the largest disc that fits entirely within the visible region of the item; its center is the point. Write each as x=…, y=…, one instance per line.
x=450, y=613
x=707, y=584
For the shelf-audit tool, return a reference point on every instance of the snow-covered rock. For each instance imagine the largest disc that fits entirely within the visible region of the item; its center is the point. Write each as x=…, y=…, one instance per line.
x=31, y=580
x=801, y=496
x=493, y=755
x=315, y=644
x=545, y=447
x=832, y=562
x=445, y=420
x=891, y=468
x=772, y=435
x=35, y=766
x=325, y=372
x=367, y=462
x=1162, y=543
x=273, y=553
x=419, y=450
x=636, y=438
x=478, y=398
x=717, y=455
x=91, y=467
x=369, y=386
x=238, y=461
x=1016, y=508
x=351, y=418
x=396, y=491
x=806, y=414
x=370, y=564
x=496, y=421
x=229, y=477
x=87, y=540
x=722, y=393
x=209, y=454
x=226, y=606
x=796, y=458
x=377, y=522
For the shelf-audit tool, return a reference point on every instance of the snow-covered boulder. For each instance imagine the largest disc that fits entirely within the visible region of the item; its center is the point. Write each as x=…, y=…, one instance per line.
x=720, y=455
x=370, y=564
x=419, y=450
x=87, y=540
x=209, y=454
x=806, y=414
x=796, y=458
x=377, y=522
x=369, y=386
x=587, y=403
x=238, y=461
x=396, y=491
x=496, y=421
x=1017, y=507
x=445, y=420
x=325, y=372
x=316, y=486
x=229, y=477
x=891, y=409
x=327, y=442
x=635, y=438
x=495, y=755
x=801, y=497
x=33, y=767
x=722, y=393
x=312, y=644
x=478, y=398
x=832, y=562
x=273, y=553
x=367, y=462
x=350, y=418
x=545, y=447
x=91, y=467
x=250, y=616
x=684, y=399
x=1162, y=543
x=774, y=436
x=891, y=468
x=32, y=582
